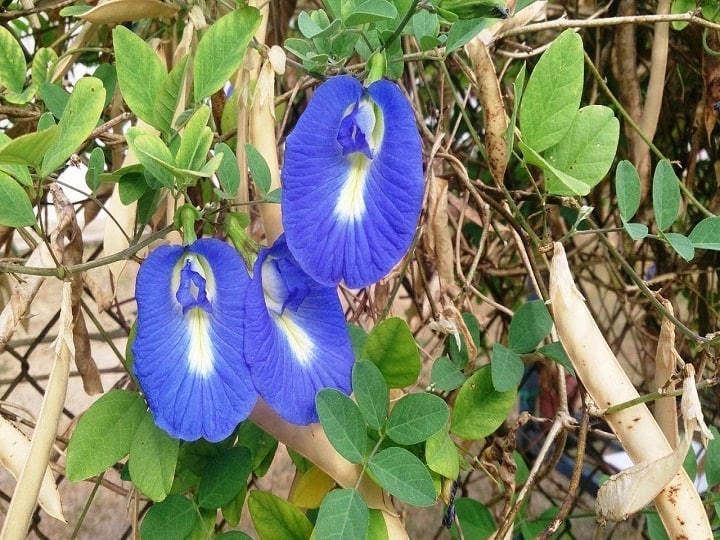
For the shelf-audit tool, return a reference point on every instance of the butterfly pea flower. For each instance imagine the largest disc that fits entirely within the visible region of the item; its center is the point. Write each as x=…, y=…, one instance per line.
x=189, y=345
x=297, y=341
x=352, y=182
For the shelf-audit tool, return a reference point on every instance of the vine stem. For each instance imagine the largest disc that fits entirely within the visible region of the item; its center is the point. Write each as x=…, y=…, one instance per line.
x=61, y=272
x=562, y=24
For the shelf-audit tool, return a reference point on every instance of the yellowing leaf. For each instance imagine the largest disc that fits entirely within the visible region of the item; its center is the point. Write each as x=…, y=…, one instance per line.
x=309, y=490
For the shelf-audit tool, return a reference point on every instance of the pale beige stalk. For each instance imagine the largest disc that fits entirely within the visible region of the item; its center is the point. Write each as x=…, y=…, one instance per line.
x=262, y=121
x=311, y=442
x=679, y=504
x=665, y=355
x=25, y=496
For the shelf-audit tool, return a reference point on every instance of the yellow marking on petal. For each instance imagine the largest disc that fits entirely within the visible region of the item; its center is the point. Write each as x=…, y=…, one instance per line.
x=350, y=205
x=300, y=343
x=200, y=355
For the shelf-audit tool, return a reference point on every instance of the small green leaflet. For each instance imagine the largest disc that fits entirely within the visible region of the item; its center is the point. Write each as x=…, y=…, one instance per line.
x=258, y=168
x=706, y=234
x=15, y=207
x=403, y=475
x=153, y=457
x=416, y=417
x=12, y=62
x=277, y=519
x=343, y=424
x=627, y=188
x=666, y=195
x=174, y=517
x=343, y=515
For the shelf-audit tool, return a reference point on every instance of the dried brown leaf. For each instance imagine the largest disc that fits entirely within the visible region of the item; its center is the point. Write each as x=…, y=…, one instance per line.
x=23, y=293
x=67, y=239
x=438, y=236
x=496, y=122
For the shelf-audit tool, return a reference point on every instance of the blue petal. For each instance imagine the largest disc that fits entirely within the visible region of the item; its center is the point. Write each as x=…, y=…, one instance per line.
x=294, y=350
x=352, y=188
x=189, y=344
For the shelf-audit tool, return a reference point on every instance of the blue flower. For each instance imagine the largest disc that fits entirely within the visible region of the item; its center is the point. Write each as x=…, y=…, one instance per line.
x=352, y=182
x=189, y=344
x=297, y=341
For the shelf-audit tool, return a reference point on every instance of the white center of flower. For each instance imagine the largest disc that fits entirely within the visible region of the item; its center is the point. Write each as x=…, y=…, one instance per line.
x=276, y=294
x=200, y=355
x=297, y=339
x=350, y=205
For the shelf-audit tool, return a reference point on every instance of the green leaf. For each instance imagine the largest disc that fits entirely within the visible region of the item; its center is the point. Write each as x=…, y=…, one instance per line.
x=391, y=346
x=706, y=234
x=666, y=195
x=681, y=6
x=627, y=188
x=79, y=118
x=425, y=27
x=55, y=98
x=19, y=173
x=74, y=11
x=224, y=477
x=153, y=456
x=637, y=231
x=555, y=351
x=506, y=368
x=168, y=97
x=475, y=519
x=712, y=459
x=104, y=434
x=108, y=75
x=371, y=11
x=442, y=455
x=655, y=528
x=140, y=73
x=221, y=50
x=12, y=61
x=681, y=244
x=587, y=150
x=131, y=187
x=233, y=535
x=378, y=528
x=479, y=408
x=343, y=515
x=416, y=417
x=445, y=375
x=358, y=337
x=531, y=323
x=403, y=475
x=462, y=31
x=228, y=172
x=152, y=153
x=552, y=97
x=258, y=168
x=15, y=207
x=29, y=149
x=277, y=519
x=21, y=98
x=172, y=518
x=570, y=183
x=371, y=393
x=96, y=167
x=343, y=424
x=195, y=141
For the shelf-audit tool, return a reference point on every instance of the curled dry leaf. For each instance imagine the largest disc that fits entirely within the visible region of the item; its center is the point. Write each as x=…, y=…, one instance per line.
x=451, y=322
x=14, y=450
x=634, y=488
x=117, y=11
x=437, y=236
x=496, y=122
x=678, y=504
x=690, y=407
x=23, y=293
